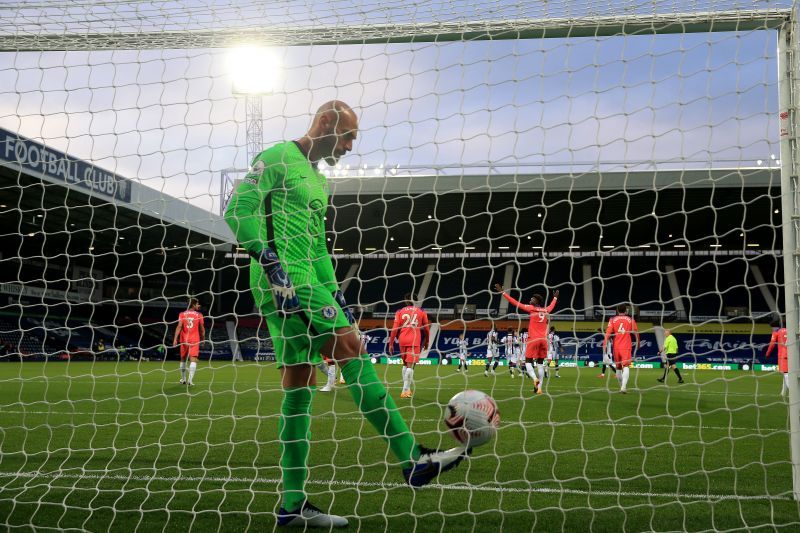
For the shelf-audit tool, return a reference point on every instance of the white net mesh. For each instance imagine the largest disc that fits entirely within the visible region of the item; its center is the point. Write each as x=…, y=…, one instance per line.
x=620, y=154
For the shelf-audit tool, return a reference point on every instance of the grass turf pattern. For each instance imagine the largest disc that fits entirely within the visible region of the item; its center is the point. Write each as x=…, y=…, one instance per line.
x=124, y=447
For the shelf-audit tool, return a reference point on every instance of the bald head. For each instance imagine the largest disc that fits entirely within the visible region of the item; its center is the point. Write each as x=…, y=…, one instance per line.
x=332, y=109
x=332, y=132
x=667, y=333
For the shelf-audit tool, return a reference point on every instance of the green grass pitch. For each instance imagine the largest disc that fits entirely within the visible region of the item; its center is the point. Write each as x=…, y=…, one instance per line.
x=124, y=447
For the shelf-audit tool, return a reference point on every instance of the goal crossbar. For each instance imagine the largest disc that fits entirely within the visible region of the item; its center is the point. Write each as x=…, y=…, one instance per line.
x=670, y=23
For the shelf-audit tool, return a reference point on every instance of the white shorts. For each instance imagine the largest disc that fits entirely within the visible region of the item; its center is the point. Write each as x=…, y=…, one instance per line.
x=462, y=357
x=550, y=355
x=607, y=359
x=491, y=352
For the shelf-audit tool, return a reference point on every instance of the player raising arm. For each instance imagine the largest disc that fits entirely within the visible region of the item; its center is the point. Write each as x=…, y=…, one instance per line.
x=277, y=214
x=192, y=332
x=620, y=327
x=413, y=327
x=536, y=349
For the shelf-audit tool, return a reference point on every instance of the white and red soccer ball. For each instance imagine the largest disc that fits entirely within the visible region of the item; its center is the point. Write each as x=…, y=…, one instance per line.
x=472, y=417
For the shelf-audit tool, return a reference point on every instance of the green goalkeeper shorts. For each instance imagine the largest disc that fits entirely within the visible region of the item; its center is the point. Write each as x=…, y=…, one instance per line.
x=299, y=337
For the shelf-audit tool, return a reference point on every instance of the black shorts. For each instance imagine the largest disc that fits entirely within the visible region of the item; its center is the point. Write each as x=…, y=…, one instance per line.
x=672, y=358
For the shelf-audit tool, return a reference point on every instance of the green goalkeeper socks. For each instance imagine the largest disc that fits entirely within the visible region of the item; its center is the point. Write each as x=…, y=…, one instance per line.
x=379, y=408
x=295, y=437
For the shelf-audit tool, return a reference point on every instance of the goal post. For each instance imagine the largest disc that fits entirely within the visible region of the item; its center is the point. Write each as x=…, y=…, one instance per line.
x=789, y=86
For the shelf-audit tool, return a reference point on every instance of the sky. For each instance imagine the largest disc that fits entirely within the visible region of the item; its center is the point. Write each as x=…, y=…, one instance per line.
x=169, y=119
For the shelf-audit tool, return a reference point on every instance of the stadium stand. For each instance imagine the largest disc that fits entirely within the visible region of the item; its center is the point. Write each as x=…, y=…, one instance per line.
x=134, y=256
x=102, y=257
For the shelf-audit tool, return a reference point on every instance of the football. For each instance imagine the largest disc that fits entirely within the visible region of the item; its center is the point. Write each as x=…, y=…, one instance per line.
x=472, y=418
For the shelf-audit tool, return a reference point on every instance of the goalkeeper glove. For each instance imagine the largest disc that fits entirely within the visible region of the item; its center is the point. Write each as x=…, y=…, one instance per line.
x=283, y=293
x=339, y=297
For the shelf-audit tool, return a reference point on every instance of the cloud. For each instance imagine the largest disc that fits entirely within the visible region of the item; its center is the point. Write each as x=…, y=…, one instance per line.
x=168, y=118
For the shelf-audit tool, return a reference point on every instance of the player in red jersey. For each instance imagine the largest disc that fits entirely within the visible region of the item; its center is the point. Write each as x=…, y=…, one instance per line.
x=413, y=327
x=781, y=339
x=192, y=332
x=536, y=347
x=621, y=326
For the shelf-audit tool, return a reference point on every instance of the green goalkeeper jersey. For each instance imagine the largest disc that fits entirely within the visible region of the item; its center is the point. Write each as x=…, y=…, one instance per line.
x=281, y=204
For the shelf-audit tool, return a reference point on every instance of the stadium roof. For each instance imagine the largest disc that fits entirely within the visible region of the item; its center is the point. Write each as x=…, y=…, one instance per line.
x=67, y=211
x=59, y=203
x=557, y=220
x=129, y=199
x=500, y=179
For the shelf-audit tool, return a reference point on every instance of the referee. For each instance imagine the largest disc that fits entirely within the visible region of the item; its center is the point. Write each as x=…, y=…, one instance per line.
x=669, y=354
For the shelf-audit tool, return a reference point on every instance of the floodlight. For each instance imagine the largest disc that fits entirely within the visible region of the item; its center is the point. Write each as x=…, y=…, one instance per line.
x=254, y=70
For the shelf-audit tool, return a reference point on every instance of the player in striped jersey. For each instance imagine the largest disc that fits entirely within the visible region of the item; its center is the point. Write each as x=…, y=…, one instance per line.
x=462, y=353
x=328, y=367
x=364, y=343
x=492, y=351
x=522, y=342
x=607, y=354
x=554, y=349
x=510, y=342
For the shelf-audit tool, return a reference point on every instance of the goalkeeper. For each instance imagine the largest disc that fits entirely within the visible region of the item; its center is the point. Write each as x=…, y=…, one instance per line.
x=277, y=213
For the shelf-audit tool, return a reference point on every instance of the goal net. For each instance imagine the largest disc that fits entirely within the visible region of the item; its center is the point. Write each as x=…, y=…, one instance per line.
x=638, y=158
